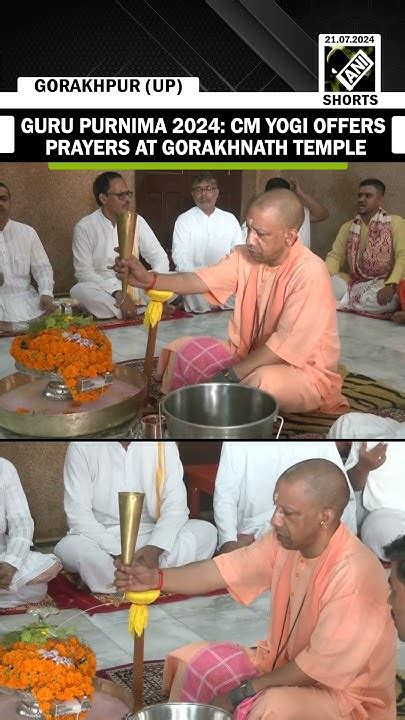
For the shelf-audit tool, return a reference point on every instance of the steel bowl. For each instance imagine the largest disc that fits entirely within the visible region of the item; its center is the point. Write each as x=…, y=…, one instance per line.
x=220, y=411
x=180, y=711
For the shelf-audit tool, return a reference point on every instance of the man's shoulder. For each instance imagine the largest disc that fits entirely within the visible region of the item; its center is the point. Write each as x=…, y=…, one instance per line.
x=20, y=227
x=358, y=565
x=346, y=226
x=88, y=220
x=307, y=263
x=187, y=215
x=226, y=215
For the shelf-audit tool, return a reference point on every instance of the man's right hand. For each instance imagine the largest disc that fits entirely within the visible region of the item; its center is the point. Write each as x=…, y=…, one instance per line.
x=7, y=573
x=135, y=578
x=132, y=271
x=374, y=458
x=128, y=307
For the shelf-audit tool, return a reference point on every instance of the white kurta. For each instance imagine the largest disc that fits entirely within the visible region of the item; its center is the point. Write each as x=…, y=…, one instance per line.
x=16, y=532
x=200, y=240
x=246, y=478
x=382, y=502
x=305, y=230
x=22, y=253
x=94, y=240
x=94, y=474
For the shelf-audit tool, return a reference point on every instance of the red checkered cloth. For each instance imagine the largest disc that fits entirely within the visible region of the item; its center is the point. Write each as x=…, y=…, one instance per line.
x=199, y=360
x=217, y=669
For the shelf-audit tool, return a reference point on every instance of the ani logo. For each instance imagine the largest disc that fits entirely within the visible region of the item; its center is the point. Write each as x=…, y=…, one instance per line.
x=349, y=63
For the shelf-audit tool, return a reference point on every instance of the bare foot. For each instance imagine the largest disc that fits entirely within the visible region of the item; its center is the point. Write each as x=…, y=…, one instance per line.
x=399, y=317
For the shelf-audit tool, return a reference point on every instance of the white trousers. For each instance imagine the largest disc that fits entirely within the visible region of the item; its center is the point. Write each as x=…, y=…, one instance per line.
x=99, y=302
x=30, y=582
x=198, y=304
x=363, y=297
x=366, y=427
x=196, y=540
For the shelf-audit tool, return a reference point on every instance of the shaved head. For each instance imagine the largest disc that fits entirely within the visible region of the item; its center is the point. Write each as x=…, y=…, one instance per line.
x=286, y=204
x=323, y=480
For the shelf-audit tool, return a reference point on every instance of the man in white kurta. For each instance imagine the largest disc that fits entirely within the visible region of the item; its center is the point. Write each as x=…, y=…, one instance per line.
x=24, y=574
x=245, y=482
x=94, y=474
x=313, y=210
x=22, y=254
x=376, y=470
x=94, y=239
x=203, y=236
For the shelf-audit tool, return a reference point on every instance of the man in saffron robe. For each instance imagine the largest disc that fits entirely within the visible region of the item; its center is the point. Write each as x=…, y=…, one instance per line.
x=373, y=244
x=283, y=334
x=331, y=647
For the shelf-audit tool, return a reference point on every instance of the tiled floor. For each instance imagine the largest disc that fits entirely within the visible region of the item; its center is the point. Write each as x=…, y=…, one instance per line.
x=170, y=625
x=372, y=347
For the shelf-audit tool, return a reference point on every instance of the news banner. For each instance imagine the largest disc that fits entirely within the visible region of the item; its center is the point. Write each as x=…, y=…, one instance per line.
x=249, y=138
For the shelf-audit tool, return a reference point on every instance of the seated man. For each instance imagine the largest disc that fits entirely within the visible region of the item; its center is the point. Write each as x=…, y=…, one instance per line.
x=373, y=244
x=94, y=474
x=395, y=552
x=203, y=236
x=314, y=211
x=376, y=471
x=245, y=482
x=21, y=254
x=331, y=646
x=24, y=574
x=94, y=239
x=283, y=334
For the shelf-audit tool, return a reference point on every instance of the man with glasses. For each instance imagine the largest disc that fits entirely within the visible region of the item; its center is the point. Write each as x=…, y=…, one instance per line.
x=21, y=255
x=94, y=240
x=203, y=236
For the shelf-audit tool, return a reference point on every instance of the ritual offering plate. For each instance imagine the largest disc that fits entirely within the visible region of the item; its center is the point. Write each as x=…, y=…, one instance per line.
x=66, y=384
x=46, y=672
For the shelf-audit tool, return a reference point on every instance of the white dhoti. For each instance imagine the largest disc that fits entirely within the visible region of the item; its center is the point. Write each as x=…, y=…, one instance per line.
x=381, y=527
x=196, y=540
x=20, y=306
x=30, y=582
x=99, y=302
x=362, y=297
x=366, y=426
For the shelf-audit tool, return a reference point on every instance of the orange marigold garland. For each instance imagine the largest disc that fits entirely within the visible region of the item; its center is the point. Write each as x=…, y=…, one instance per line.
x=66, y=346
x=56, y=670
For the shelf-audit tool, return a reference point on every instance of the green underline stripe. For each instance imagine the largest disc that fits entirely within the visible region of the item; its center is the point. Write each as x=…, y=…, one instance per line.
x=198, y=166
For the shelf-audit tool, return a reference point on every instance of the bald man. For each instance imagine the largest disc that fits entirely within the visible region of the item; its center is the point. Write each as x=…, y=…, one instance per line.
x=331, y=646
x=282, y=336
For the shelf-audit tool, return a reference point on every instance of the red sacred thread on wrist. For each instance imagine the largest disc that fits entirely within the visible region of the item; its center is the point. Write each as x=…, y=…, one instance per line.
x=153, y=283
x=160, y=583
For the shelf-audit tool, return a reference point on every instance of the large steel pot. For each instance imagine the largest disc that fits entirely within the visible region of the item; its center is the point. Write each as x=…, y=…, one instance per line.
x=220, y=411
x=180, y=711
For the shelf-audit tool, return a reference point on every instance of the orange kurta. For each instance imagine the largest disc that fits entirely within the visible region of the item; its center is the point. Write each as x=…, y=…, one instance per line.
x=344, y=639
x=291, y=309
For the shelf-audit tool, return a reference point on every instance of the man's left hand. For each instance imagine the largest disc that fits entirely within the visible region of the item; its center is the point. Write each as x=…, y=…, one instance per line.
x=7, y=573
x=295, y=186
x=228, y=375
x=222, y=701
x=385, y=295
x=47, y=303
x=148, y=556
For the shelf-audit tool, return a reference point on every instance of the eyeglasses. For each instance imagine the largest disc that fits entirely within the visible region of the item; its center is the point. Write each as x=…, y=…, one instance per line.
x=122, y=195
x=206, y=188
